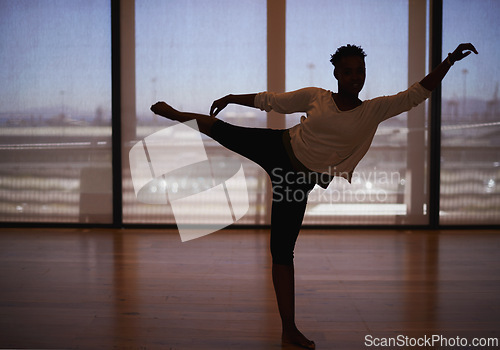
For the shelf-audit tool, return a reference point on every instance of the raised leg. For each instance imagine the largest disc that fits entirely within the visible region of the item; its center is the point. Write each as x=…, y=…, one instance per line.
x=205, y=122
x=265, y=147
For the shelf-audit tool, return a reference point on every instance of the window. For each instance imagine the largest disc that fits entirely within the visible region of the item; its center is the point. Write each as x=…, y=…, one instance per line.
x=55, y=102
x=388, y=186
x=470, y=147
x=55, y=111
x=189, y=53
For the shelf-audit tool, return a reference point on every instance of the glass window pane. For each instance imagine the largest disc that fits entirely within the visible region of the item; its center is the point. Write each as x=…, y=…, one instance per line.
x=189, y=53
x=389, y=184
x=470, y=147
x=55, y=111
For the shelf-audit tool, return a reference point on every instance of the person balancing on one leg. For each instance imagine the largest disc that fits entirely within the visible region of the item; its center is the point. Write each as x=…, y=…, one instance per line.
x=329, y=141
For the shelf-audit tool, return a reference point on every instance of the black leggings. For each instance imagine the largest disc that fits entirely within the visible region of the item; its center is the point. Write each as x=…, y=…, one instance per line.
x=290, y=190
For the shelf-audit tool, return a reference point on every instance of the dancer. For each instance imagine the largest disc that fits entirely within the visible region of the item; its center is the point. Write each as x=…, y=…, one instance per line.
x=329, y=141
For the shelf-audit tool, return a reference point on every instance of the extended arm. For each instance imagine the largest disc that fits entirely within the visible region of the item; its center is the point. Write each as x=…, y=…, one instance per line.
x=432, y=81
x=285, y=103
x=220, y=104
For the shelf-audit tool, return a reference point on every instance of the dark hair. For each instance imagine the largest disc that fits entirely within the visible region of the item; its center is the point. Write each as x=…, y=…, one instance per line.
x=347, y=51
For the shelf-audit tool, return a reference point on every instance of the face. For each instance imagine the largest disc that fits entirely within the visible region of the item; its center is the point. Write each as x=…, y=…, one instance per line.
x=351, y=73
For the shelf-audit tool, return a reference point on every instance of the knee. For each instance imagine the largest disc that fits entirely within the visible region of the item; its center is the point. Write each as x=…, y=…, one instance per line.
x=281, y=255
x=206, y=124
x=283, y=261
x=283, y=238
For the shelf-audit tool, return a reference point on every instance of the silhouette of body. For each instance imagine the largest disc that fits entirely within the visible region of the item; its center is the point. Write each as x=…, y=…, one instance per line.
x=330, y=141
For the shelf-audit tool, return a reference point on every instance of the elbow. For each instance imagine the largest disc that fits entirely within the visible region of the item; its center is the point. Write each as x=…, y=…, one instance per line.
x=427, y=86
x=262, y=102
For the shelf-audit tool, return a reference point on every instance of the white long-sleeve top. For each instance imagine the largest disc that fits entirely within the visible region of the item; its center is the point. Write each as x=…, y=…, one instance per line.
x=328, y=140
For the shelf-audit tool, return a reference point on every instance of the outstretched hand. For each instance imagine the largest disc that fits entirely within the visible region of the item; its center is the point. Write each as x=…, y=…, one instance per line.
x=218, y=106
x=462, y=51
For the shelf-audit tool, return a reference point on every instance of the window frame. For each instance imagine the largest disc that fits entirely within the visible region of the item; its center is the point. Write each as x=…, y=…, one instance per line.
x=122, y=32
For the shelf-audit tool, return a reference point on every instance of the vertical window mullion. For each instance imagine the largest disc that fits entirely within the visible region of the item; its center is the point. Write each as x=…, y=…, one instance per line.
x=276, y=69
x=116, y=113
x=416, y=195
x=435, y=122
x=276, y=52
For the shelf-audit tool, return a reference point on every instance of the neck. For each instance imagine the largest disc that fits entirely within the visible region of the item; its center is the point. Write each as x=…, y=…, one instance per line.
x=346, y=101
x=348, y=97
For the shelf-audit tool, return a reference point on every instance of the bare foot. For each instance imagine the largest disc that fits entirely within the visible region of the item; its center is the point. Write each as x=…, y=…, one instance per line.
x=296, y=338
x=165, y=110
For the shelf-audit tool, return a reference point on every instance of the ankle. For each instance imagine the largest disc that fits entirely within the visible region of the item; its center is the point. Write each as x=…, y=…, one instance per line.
x=289, y=327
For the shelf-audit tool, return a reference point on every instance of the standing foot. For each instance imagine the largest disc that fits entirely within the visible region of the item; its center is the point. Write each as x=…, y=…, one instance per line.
x=295, y=337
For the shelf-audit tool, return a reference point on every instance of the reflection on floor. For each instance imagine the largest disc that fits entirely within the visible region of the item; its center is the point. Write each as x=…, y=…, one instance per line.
x=144, y=289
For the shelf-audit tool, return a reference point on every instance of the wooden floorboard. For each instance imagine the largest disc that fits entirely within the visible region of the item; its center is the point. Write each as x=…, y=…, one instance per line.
x=144, y=289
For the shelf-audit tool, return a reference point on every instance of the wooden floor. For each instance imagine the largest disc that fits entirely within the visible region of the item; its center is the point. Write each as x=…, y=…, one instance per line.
x=144, y=289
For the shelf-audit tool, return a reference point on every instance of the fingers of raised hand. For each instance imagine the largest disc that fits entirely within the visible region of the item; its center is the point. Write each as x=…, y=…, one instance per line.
x=469, y=47
x=463, y=50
